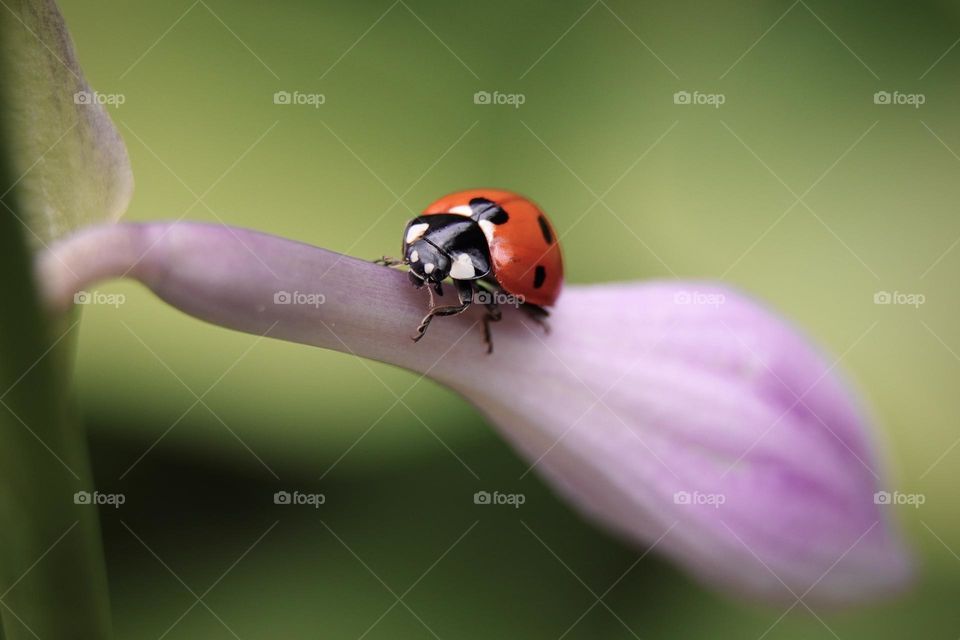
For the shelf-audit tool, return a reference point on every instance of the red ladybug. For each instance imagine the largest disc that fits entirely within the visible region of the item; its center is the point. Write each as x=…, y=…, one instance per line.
x=489, y=242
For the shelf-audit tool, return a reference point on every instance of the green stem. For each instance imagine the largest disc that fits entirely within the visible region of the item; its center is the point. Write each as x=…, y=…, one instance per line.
x=52, y=576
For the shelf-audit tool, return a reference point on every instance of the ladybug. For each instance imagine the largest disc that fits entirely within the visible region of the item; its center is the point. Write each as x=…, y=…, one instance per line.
x=489, y=242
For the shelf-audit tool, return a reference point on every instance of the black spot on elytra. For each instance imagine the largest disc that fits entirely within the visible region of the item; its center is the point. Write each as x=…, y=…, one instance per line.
x=485, y=209
x=479, y=205
x=539, y=275
x=499, y=217
x=545, y=229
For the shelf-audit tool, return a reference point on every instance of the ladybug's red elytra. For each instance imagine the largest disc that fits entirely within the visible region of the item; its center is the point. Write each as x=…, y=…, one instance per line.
x=486, y=241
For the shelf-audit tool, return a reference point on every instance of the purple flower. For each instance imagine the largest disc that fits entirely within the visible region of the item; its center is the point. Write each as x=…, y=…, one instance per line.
x=682, y=415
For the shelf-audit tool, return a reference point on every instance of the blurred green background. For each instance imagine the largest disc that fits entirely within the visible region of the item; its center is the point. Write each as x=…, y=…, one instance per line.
x=687, y=191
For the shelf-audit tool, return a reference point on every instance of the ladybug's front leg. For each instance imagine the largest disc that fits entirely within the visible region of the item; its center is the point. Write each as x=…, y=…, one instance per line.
x=493, y=315
x=464, y=290
x=387, y=261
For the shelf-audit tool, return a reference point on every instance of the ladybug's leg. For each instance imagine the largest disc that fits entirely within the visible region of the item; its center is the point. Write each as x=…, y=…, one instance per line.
x=537, y=314
x=387, y=261
x=415, y=281
x=493, y=315
x=465, y=291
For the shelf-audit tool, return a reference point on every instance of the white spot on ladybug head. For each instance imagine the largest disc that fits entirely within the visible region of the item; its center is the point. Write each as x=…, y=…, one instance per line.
x=428, y=268
x=487, y=228
x=416, y=231
x=462, y=209
x=462, y=268
x=414, y=256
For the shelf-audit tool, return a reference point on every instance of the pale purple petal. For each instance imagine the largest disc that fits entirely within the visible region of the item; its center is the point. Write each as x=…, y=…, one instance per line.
x=641, y=394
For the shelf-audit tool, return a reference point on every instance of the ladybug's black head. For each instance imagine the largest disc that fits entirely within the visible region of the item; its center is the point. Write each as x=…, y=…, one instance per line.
x=445, y=245
x=427, y=262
